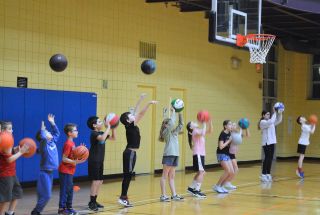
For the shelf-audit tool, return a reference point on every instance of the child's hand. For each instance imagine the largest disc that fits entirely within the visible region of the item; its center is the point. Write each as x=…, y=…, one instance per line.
x=143, y=95
x=24, y=149
x=51, y=118
x=43, y=127
x=107, y=124
x=153, y=102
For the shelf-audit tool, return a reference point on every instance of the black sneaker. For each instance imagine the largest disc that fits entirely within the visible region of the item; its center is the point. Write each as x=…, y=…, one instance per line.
x=93, y=206
x=5, y=213
x=191, y=191
x=99, y=205
x=199, y=194
x=34, y=212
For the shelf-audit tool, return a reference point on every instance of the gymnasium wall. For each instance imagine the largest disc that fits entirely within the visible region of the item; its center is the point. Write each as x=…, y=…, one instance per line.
x=101, y=41
x=293, y=88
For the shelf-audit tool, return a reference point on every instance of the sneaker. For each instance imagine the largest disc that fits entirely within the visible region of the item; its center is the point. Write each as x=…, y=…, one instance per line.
x=34, y=212
x=300, y=174
x=164, y=198
x=224, y=189
x=230, y=186
x=5, y=213
x=124, y=202
x=199, y=194
x=218, y=189
x=177, y=198
x=264, y=178
x=99, y=205
x=269, y=178
x=92, y=206
x=71, y=211
x=191, y=191
x=63, y=211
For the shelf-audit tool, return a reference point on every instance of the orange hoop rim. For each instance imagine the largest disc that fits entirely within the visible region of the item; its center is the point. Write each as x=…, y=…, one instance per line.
x=260, y=37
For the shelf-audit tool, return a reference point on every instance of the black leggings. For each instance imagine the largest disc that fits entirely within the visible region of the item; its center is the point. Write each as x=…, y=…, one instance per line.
x=129, y=160
x=268, y=156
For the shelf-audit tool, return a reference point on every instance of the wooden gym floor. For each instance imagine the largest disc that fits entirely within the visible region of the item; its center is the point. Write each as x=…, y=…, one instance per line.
x=286, y=195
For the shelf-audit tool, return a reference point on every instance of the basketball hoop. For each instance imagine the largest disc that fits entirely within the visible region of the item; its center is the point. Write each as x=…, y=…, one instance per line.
x=259, y=45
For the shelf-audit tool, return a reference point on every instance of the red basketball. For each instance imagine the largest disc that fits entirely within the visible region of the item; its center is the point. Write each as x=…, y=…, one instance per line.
x=113, y=120
x=32, y=147
x=6, y=140
x=203, y=116
x=313, y=119
x=81, y=153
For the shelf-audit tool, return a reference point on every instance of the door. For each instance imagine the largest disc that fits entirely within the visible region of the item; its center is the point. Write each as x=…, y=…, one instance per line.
x=145, y=155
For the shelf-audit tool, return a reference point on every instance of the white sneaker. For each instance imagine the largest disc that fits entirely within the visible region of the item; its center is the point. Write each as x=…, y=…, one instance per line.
x=219, y=189
x=164, y=198
x=224, y=189
x=269, y=177
x=230, y=186
x=124, y=202
x=264, y=178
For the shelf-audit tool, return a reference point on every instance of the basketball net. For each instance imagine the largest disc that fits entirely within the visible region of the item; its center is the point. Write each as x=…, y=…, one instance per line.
x=259, y=46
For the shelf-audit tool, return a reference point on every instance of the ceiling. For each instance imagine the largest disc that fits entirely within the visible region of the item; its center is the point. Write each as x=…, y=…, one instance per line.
x=278, y=17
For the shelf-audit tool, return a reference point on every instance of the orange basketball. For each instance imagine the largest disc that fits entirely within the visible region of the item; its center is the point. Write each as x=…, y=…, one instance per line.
x=76, y=188
x=32, y=146
x=6, y=140
x=313, y=119
x=203, y=116
x=80, y=153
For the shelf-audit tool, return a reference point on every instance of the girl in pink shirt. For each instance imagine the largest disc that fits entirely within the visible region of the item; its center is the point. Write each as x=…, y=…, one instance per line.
x=196, y=136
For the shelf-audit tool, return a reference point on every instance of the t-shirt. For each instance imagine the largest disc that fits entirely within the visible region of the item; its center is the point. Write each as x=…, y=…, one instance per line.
x=7, y=169
x=68, y=168
x=223, y=137
x=305, y=134
x=133, y=136
x=97, y=148
x=198, y=139
x=170, y=134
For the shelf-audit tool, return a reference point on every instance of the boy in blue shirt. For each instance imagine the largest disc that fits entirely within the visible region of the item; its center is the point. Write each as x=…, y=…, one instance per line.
x=48, y=163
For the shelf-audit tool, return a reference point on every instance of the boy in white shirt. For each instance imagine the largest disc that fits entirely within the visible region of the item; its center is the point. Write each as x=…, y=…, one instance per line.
x=303, y=142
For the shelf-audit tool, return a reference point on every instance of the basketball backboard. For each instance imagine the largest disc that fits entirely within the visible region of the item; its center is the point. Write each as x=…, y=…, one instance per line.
x=231, y=17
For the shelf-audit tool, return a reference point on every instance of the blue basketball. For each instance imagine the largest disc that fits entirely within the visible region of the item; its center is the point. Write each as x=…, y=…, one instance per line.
x=244, y=123
x=148, y=67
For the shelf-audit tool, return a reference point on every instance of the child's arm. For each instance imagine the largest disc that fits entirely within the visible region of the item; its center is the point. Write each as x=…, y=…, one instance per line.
x=209, y=130
x=313, y=128
x=113, y=135
x=105, y=134
x=247, y=133
x=180, y=124
x=143, y=111
x=65, y=159
x=278, y=118
x=54, y=129
x=142, y=96
x=21, y=151
x=224, y=144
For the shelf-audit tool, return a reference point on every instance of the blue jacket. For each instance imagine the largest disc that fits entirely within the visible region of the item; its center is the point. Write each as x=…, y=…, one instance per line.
x=48, y=150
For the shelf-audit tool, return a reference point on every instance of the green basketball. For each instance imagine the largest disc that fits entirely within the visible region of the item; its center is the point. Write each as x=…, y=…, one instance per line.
x=178, y=105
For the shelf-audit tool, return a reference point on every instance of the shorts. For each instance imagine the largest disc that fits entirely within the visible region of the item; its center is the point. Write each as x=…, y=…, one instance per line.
x=198, y=163
x=10, y=189
x=222, y=157
x=232, y=156
x=170, y=160
x=95, y=170
x=301, y=149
